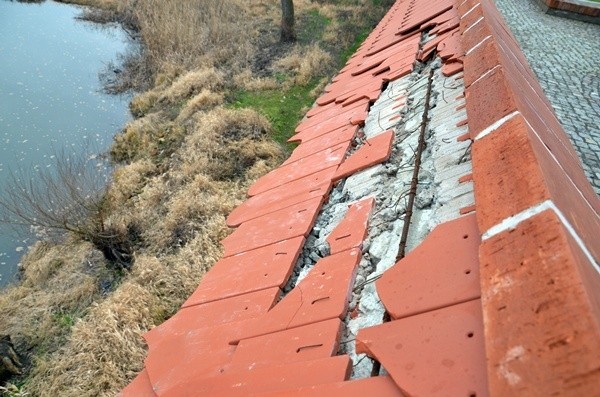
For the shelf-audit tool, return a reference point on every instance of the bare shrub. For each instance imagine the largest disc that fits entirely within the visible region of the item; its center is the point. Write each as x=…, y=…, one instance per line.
x=66, y=198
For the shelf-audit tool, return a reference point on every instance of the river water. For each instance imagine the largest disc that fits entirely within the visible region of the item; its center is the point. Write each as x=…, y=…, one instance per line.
x=50, y=95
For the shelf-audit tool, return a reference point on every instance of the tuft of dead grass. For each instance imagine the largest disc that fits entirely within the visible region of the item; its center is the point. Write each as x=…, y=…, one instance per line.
x=193, y=83
x=305, y=63
x=205, y=100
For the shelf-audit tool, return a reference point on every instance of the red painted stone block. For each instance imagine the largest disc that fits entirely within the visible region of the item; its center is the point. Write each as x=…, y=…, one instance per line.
x=322, y=142
x=346, y=115
x=465, y=178
x=450, y=49
x=438, y=353
x=446, y=26
x=442, y=271
x=374, y=151
x=542, y=310
x=352, y=230
x=500, y=191
x=452, y=68
x=297, y=186
x=468, y=209
x=488, y=100
x=482, y=59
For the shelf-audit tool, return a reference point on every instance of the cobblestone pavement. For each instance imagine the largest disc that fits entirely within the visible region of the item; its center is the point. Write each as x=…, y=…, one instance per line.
x=565, y=56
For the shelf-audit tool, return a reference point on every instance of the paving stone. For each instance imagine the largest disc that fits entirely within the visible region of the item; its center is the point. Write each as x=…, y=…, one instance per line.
x=443, y=270
x=352, y=230
x=310, y=342
x=254, y=270
x=565, y=56
x=284, y=224
x=448, y=343
x=265, y=379
x=379, y=386
x=373, y=151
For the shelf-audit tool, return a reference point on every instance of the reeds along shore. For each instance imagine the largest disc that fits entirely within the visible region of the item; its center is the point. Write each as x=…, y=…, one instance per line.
x=182, y=165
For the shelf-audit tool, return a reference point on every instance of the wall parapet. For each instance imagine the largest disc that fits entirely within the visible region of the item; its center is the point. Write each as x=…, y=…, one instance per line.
x=539, y=218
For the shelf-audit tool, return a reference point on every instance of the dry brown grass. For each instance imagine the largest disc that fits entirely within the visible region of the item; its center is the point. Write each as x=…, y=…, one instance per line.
x=180, y=214
x=305, y=63
x=183, y=165
x=192, y=32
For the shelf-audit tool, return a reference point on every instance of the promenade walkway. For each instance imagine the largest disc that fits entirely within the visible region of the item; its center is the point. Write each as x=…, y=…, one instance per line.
x=565, y=56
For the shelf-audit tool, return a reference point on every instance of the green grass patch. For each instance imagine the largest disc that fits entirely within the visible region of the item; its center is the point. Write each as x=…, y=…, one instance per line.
x=312, y=26
x=283, y=108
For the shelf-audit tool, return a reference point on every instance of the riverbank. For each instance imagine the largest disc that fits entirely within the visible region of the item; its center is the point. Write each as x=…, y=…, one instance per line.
x=222, y=97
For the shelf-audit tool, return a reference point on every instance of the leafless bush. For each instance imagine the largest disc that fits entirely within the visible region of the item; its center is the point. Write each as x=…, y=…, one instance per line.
x=68, y=197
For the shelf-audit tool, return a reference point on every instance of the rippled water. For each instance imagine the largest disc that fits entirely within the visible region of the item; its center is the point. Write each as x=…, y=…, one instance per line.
x=50, y=94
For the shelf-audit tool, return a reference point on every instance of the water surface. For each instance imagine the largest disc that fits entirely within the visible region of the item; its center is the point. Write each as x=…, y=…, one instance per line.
x=50, y=94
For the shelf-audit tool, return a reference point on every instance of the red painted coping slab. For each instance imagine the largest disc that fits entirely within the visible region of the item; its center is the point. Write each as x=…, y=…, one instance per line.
x=287, y=223
x=541, y=325
x=374, y=151
x=540, y=219
x=309, y=342
x=321, y=298
x=300, y=169
x=238, y=308
x=266, y=379
x=274, y=200
x=139, y=387
x=352, y=230
x=438, y=353
x=442, y=271
x=255, y=270
x=379, y=386
x=324, y=294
